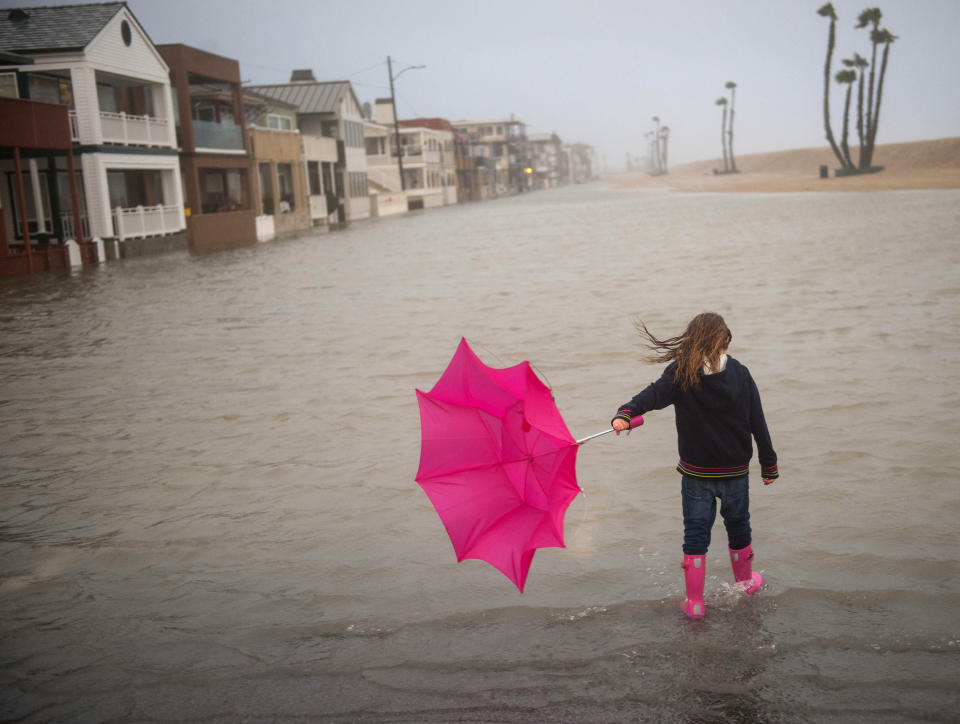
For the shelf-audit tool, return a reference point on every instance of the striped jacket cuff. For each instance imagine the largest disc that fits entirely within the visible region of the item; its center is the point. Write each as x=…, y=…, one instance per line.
x=769, y=472
x=622, y=415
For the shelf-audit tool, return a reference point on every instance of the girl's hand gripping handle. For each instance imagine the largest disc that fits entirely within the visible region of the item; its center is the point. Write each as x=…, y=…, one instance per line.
x=619, y=425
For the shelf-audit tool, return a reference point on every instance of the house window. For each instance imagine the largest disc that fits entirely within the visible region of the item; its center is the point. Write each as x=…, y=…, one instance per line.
x=106, y=98
x=285, y=181
x=358, y=184
x=326, y=168
x=204, y=111
x=221, y=190
x=32, y=224
x=8, y=85
x=374, y=146
x=329, y=129
x=129, y=189
x=313, y=174
x=49, y=89
x=353, y=134
x=266, y=189
x=279, y=123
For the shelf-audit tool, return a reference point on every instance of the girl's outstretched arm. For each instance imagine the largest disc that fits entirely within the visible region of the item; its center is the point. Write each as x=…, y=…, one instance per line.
x=654, y=396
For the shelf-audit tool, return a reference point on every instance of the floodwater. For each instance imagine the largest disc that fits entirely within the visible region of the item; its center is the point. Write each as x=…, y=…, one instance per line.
x=207, y=504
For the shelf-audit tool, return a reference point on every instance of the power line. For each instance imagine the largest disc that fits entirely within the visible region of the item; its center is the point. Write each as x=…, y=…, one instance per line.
x=375, y=65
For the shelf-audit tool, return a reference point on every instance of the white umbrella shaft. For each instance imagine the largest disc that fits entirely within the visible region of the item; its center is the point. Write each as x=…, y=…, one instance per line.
x=635, y=422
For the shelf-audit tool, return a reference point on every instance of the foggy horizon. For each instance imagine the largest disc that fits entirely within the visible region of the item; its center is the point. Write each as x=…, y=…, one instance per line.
x=595, y=75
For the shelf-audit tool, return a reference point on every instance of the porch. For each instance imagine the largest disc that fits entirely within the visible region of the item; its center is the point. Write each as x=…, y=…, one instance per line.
x=38, y=133
x=113, y=109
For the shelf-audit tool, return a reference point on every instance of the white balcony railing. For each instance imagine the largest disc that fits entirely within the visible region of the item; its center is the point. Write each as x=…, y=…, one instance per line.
x=69, y=232
x=139, y=221
x=134, y=130
x=407, y=150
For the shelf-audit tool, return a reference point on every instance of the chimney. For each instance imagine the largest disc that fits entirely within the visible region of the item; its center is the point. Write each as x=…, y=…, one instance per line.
x=383, y=113
x=304, y=75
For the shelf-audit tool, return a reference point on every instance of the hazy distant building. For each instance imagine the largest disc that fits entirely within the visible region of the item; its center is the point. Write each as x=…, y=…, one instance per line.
x=426, y=150
x=547, y=160
x=429, y=165
x=281, y=191
x=504, y=141
x=331, y=110
x=581, y=160
x=383, y=174
x=476, y=171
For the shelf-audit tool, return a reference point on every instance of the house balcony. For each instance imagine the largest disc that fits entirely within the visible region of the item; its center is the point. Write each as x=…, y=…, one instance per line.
x=120, y=128
x=134, y=130
x=218, y=136
x=141, y=221
x=407, y=151
x=419, y=154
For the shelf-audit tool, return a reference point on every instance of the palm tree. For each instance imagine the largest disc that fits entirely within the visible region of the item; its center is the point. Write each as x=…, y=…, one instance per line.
x=723, y=132
x=656, y=146
x=868, y=17
x=732, y=87
x=849, y=77
x=886, y=37
x=859, y=62
x=664, y=135
x=827, y=11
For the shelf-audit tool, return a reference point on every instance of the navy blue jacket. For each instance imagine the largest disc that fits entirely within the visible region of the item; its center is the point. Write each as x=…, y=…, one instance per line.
x=715, y=421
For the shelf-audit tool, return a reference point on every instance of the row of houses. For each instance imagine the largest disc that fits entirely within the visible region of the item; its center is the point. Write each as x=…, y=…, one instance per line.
x=113, y=147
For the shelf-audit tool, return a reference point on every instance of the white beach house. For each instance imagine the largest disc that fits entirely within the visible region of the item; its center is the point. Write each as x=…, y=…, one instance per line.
x=99, y=62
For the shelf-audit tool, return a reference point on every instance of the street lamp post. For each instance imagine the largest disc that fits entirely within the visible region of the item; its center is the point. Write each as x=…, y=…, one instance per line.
x=396, y=122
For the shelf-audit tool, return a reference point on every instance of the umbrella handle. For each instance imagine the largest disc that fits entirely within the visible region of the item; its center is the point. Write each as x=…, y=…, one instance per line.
x=634, y=422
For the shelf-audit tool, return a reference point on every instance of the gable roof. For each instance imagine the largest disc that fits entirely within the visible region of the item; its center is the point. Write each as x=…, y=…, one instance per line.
x=434, y=124
x=317, y=97
x=53, y=28
x=249, y=94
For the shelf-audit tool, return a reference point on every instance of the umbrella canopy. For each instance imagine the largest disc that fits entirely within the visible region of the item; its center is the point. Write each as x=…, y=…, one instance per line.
x=497, y=462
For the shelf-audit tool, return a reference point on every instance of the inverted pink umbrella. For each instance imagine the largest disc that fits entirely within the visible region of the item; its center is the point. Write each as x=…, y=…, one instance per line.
x=497, y=462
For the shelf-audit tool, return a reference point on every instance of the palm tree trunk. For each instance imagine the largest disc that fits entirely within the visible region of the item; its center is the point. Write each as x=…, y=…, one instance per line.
x=723, y=140
x=865, y=159
x=831, y=41
x=846, y=125
x=860, y=118
x=876, y=114
x=733, y=163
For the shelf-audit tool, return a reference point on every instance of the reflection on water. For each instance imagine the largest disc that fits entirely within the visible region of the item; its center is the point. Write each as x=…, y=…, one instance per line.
x=207, y=501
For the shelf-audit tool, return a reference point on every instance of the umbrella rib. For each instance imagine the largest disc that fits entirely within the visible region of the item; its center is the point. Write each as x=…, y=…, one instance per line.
x=498, y=463
x=493, y=524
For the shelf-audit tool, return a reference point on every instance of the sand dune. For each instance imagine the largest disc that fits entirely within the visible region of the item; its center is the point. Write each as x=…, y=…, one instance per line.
x=918, y=165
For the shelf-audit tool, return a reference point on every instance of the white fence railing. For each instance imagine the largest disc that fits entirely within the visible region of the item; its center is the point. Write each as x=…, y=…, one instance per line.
x=69, y=231
x=134, y=130
x=140, y=221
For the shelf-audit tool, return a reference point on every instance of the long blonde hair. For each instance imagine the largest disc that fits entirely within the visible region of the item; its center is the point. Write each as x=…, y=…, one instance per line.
x=702, y=342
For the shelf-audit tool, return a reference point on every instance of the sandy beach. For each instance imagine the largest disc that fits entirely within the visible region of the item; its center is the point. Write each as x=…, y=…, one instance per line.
x=918, y=165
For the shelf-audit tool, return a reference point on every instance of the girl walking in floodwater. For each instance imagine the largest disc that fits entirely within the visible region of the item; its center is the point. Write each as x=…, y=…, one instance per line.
x=717, y=409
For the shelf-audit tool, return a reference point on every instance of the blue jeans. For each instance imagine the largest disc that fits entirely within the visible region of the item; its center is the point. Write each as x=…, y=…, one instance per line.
x=700, y=510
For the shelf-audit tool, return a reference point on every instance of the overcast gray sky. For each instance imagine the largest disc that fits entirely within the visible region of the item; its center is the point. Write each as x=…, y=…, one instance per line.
x=594, y=72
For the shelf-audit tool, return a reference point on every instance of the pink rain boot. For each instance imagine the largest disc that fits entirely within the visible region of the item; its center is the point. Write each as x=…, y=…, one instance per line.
x=694, y=573
x=742, y=562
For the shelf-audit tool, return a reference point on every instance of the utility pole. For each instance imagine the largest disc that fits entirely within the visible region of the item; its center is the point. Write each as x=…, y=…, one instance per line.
x=396, y=124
